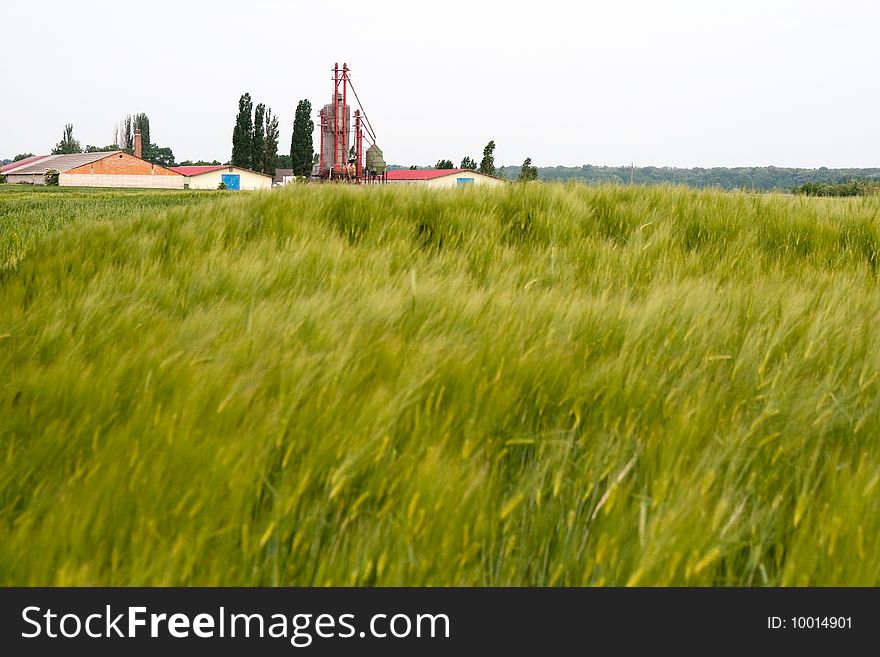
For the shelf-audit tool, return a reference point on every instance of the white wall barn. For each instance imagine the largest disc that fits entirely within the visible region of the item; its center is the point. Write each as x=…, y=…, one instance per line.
x=210, y=177
x=442, y=178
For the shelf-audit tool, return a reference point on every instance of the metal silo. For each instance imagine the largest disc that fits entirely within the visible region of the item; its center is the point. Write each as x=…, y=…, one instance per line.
x=375, y=164
x=342, y=142
x=337, y=118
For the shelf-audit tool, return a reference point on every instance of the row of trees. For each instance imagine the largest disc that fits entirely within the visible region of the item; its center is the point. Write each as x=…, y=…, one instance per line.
x=487, y=165
x=125, y=130
x=123, y=140
x=848, y=188
x=199, y=163
x=255, y=137
x=254, y=140
x=247, y=140
x=152, y=152
x=752, y=178
x=822, y=181
x=68, y=143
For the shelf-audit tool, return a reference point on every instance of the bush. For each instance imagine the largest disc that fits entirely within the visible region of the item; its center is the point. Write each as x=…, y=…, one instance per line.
x=222, y=185
x=51, y=177
x=849, y=188
x=2, y=179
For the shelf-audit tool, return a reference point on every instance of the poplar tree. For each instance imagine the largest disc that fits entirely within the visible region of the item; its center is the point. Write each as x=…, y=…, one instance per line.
x=270, y=152
x=151, y=152
x=141, y=123
x=67, y=144
x=528, y=172
x=487, y=164
x=258, y=144
x=243, y=133
x=124, y=137
x=301, y=147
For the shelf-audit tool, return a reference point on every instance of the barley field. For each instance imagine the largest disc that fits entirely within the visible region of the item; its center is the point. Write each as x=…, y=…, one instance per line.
x=27, y=213
x=538, y=385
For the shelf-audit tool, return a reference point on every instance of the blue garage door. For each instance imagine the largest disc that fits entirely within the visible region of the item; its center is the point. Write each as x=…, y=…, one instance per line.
x=232, y=180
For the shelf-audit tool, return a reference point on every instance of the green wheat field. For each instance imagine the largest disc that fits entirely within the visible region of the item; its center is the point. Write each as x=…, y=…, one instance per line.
x=537, y=385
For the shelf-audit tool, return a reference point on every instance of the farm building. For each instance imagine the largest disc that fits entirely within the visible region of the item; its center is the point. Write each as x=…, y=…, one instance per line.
x=283, y=176
x=107, y=169
x=7, y=168
x=441, y=178
x=210, y=177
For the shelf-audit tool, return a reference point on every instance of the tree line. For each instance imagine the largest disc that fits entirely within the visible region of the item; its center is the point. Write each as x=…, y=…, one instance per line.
x=750, y=178
x=255, y=139
x=526, y=172
x=248, y=139
x=817, y=182
x=123, y=140
x=857, y=187
x=487, y=164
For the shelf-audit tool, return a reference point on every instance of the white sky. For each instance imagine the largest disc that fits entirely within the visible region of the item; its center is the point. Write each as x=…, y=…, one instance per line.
x=678, y=83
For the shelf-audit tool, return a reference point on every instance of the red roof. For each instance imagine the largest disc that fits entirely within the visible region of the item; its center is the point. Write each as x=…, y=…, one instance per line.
x=21, y=163
x=422, y=174
x=195, y=171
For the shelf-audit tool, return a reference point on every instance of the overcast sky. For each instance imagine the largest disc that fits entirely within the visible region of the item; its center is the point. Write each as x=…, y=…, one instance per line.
x=678, y=83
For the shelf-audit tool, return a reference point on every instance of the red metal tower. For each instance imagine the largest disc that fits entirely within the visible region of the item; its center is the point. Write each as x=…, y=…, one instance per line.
x=337, y=134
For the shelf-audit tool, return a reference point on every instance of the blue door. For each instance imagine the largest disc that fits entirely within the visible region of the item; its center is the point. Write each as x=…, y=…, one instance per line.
x=461, y=182
x=232, y=180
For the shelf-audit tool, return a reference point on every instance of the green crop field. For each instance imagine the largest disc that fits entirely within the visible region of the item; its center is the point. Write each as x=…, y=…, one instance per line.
x=27, y=213
x=538, y=385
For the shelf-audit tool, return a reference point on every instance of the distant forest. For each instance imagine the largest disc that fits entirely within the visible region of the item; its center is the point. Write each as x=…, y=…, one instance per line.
x=765, y=179
x=751, y=178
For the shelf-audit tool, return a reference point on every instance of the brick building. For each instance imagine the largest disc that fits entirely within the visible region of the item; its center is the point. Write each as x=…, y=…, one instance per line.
x=108, y=169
